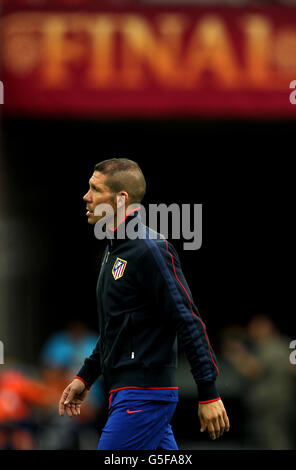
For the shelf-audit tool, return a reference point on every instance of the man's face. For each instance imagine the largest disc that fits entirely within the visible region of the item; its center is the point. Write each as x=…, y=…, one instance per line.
x=98, y=193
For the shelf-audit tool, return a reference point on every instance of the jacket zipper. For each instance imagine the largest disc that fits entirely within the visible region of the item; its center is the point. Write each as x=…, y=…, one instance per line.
x=105, y=259
x=104, y=262
x=132, y=339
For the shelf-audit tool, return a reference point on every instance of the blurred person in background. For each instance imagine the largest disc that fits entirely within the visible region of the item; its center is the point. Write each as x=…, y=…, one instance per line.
x=22, y=397
x=67, y=347
x=258, y=375
x=237, y=364
x=271, y=394
x=61, y=355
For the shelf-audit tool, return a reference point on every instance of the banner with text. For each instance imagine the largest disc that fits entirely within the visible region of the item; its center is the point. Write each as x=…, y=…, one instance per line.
x=152, y=61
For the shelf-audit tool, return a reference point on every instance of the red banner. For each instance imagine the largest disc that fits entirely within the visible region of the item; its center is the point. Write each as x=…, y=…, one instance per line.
x=159, y=61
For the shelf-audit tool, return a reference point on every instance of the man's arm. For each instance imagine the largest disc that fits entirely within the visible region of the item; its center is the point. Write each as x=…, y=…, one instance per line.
x=161, y=273
x=91, y=368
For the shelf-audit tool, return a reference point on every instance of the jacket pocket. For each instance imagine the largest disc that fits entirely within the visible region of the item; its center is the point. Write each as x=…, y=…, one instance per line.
x=132, y=337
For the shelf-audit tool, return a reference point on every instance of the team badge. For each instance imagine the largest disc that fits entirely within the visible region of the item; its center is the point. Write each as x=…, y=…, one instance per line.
x=118, y=268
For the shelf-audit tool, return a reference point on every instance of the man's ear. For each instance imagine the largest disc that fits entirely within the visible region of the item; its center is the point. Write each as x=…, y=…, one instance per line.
x=122, y=199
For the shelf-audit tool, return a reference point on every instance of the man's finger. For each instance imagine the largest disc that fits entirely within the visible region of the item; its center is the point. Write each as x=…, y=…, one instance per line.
x=68, y=411
x=211, y=430
x=61, y=407
x=214, y=428
x=69, y=397
x=222, y=425
x=226, y=421
x=78, y=408
x=217, y=427
x=203, y=425
x=61, y=403
x=73, y=409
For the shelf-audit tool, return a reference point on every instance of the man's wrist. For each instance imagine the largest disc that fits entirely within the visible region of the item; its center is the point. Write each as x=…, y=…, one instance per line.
x=208, y=401
x=82, y=380
x=207, y=391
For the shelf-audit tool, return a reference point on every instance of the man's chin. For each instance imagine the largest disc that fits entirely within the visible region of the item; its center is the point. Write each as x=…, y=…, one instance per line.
x=92, y=220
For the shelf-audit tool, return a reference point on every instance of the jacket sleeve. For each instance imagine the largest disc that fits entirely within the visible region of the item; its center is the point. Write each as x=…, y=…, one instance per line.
x=162, y=277
x=91, y=368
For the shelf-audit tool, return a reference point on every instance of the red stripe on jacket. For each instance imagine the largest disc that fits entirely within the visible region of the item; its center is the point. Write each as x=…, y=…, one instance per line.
x=167, y=247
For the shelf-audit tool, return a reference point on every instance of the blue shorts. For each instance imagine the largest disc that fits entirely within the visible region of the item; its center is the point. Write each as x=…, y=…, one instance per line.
x=139, y=419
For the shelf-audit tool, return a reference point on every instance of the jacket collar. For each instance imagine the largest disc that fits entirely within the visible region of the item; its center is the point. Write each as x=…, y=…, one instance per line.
x=119, y=235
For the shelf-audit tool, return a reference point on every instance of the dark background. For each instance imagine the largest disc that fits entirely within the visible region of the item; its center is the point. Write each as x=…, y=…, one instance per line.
x=236, y=169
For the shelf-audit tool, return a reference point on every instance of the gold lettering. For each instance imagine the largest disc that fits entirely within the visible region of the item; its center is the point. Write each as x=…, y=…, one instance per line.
x=160, y=50
x=102, y=72
x=58, y=51
x=258, y=49
x=210, y=50
x=21, y=50
x=284, y=53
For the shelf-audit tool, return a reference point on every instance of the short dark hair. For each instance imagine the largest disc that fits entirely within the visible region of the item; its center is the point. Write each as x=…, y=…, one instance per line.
x=123, y=174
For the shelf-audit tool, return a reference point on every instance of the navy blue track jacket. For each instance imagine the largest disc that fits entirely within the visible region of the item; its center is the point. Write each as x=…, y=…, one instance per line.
x=144, y=307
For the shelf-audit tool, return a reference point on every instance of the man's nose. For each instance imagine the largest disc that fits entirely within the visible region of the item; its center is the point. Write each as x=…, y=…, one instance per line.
x=87, y=196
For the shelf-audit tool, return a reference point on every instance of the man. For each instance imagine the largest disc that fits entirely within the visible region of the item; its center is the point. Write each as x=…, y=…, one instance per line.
x=144, y=304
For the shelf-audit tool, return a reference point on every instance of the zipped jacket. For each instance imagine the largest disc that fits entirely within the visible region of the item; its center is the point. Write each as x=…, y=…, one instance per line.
x=145, y=310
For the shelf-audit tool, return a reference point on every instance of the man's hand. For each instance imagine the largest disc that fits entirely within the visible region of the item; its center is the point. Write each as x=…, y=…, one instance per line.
x=72, y=397
x=213, y=416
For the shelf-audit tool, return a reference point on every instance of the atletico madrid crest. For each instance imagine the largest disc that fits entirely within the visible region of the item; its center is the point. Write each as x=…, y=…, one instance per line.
x=118, y=268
